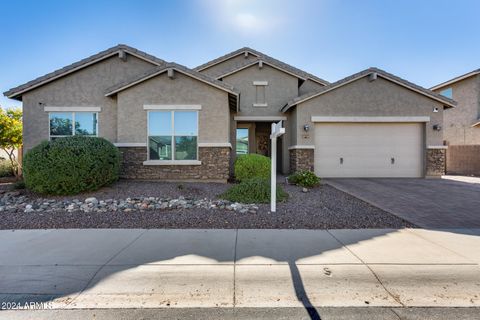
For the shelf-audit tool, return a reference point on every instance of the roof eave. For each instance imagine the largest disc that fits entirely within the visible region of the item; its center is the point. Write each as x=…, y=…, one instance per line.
x=163, y=70
x=256, y=62
x=446, y=103
x=14, y=94
x=455, y=80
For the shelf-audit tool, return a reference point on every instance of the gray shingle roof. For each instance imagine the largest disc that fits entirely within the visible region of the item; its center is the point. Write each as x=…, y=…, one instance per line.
x=361, y=74
x=15, y=92
x=160, y=69
x=282, y=65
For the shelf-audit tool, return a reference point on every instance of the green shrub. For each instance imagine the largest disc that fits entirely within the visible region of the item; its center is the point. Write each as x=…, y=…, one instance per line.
x=71, y=165
x=252, y=166
x=5, y=168
x=304, y=178
x=19, y=185
x=256, y=190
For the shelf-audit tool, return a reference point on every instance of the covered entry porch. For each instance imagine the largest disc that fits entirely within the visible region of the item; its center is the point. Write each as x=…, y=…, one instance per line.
x=252, y=135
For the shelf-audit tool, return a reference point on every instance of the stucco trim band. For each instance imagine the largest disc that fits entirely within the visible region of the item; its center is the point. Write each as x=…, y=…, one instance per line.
x=370, y=119
x=437, y=147
x=129, y=144
x=172, y=107
x=215, y=145
x=172, y=163
x=298, y=146
x=259, y=118
x=72, y=109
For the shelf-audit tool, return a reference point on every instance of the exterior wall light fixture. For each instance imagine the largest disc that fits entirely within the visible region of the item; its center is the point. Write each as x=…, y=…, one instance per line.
x=306, y=128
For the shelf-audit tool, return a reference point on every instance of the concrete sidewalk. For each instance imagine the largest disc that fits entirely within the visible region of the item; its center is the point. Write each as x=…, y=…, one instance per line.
x=121, y=268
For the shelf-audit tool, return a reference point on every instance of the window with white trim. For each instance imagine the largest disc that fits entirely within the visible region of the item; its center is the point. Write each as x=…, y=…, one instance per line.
x=66, y=124
x=260, y=93
x=172, y=135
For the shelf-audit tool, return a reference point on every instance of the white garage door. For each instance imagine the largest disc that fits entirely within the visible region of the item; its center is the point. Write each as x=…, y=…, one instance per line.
x=368, y=150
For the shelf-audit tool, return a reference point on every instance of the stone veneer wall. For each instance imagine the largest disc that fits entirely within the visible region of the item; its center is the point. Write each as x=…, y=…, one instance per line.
x=214, y=167
x=436, y=159
x=301, y=159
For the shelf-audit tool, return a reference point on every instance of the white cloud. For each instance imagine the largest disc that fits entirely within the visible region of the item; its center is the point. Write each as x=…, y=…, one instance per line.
x=247, y=17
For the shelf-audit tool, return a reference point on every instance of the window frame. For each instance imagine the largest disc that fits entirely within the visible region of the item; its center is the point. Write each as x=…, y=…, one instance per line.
x=448, y=89
x=236, y=140
x=172, y=138
x=73, y=124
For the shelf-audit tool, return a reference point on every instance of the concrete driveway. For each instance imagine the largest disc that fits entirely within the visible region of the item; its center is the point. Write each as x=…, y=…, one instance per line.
x=450, y=202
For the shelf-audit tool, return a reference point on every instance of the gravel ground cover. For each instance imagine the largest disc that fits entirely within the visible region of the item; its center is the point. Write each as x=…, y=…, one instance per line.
x=323, y=207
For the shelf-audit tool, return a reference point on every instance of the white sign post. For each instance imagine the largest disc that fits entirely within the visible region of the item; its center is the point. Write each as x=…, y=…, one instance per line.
x=277, y=131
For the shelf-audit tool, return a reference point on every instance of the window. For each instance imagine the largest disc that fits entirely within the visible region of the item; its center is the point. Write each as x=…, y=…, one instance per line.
x=260, y=93
x=242, y=141
x=172, y=135
x=447, y=93
x=64, y=124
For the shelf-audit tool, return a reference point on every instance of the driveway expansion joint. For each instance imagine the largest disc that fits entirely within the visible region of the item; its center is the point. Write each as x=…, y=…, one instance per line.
x=106, y=263
x=394, y=297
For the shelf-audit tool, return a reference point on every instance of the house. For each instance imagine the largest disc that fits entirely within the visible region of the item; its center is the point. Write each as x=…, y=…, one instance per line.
x=171, y=122
x=462, y=124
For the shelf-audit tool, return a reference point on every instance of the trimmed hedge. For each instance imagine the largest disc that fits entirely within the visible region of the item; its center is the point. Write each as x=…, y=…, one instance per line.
x=304, y=178
x=256, y=190
x=71, y=165
x=252, y=166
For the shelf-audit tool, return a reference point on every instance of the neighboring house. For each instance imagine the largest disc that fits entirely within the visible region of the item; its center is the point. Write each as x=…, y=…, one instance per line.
x=171, y=122
x=462, y=124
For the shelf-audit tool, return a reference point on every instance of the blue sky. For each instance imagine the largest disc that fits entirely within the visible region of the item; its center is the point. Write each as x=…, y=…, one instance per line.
x=426, y=42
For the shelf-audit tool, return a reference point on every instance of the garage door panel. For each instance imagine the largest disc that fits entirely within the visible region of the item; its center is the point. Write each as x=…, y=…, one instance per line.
x=367, y=149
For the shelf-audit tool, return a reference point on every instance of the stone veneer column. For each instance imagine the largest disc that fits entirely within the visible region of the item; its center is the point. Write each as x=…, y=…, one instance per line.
x=214, y=167
x=435, y=161
x=301, y=159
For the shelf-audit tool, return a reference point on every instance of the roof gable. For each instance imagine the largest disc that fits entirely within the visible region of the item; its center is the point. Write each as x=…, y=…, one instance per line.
x=266, y=59
x=385, y=75
x=164, y=68
x=15, y=93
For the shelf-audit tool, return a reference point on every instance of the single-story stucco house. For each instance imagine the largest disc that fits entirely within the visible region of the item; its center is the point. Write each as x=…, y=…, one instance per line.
x=171, y=122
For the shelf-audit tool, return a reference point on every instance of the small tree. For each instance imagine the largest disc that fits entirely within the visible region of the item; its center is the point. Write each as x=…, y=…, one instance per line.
x=11, y=136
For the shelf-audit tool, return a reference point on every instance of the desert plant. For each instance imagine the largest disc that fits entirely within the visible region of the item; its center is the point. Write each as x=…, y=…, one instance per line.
x=256, y=190
x=11, y=137
x=252, y=166
x=6, y=169
x=304, y=178
x=71, y=165
x=19, y=185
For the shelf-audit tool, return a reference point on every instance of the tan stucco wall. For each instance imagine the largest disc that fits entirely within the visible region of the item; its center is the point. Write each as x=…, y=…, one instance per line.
x=281, y=88
x=85, y=87
x=364, y=98
x=227, y=65
x=213, y=117
x=458, y=121
x=309, y=86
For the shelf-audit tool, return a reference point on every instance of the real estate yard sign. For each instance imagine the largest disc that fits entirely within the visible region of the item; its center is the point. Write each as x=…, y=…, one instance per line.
x=277, y=131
